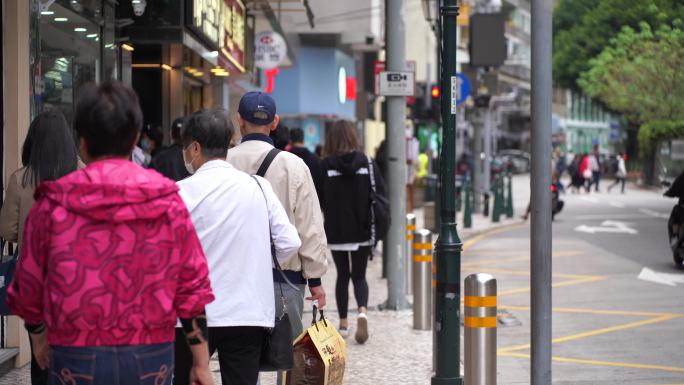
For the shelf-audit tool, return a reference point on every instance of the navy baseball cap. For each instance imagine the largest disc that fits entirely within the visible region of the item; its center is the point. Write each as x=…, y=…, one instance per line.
x=257, y=108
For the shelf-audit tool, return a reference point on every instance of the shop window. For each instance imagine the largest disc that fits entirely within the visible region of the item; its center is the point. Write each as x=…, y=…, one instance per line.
x=72, y=43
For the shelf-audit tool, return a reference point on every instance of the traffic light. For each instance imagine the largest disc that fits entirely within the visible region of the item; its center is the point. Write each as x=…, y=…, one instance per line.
x=435, y=92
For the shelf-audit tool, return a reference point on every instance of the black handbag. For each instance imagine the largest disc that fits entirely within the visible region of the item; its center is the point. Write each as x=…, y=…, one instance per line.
x=276, y=350
x=380, y=208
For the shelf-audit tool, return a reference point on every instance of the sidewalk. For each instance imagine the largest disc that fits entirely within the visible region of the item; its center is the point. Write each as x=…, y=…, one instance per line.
x=395, y=353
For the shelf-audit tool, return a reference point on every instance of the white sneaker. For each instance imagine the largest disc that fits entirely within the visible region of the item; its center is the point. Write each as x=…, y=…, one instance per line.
x=362, y=328
x=344, y=332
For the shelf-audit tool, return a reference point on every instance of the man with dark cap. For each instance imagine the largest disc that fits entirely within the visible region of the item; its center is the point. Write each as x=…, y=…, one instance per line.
x=169, y=161
x=292, y=183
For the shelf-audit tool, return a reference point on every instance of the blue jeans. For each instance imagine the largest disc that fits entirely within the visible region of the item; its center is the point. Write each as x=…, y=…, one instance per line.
x=112, y=365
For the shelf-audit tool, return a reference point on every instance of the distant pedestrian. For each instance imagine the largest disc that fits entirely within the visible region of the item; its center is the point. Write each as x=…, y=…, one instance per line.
x=346, y=205
x=169, y=161
x=298, y=148
x=293, y=185
x=585, y=171
x=595, y=166
x=235, y=222
x=412, y=152
x=620, y=174
x=110, y=260
x=49, y=152
x=152, y=140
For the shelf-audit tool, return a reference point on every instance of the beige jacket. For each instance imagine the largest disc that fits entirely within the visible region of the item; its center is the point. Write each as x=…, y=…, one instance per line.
x=293, y=185
x=15, y=209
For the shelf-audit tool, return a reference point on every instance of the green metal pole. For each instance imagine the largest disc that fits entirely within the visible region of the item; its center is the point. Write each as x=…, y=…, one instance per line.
x=509, y=201
x=496, y=216
x=468, y=210
x=448, y=248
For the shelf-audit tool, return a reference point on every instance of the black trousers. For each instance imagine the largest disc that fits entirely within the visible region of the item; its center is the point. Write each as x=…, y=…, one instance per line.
x=351, y=265
x=239, y=352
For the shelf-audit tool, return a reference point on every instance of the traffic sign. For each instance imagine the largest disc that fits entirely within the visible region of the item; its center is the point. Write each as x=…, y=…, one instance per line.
x=464, y=90
x=396, y=83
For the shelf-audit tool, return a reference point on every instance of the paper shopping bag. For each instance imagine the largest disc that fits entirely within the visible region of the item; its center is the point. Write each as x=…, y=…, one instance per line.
x=319, y=356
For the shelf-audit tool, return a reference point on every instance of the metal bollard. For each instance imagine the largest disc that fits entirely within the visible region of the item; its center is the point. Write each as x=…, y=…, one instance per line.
x=422, y=280
x=480, y=330
x=410, y=228
x=468, y=210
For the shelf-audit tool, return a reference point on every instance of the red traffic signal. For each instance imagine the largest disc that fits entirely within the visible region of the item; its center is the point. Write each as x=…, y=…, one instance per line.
x=435, y=92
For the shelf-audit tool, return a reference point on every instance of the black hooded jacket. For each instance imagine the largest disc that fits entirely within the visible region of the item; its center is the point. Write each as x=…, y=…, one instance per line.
x=346, y=198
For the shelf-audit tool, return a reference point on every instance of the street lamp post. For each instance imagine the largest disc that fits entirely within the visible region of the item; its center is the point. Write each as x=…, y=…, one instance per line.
x=448, y=248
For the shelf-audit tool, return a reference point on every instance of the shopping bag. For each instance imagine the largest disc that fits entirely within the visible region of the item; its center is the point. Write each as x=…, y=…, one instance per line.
x=8, y=263
x=320, y=355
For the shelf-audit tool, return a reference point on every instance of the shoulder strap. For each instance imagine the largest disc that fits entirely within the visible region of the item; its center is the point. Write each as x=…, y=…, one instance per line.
x=267, y=162
x=273, y=254
x=371, y=175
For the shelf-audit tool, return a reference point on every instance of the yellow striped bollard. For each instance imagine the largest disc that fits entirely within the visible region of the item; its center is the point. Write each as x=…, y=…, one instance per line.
x=422, y=280
x=480, y=330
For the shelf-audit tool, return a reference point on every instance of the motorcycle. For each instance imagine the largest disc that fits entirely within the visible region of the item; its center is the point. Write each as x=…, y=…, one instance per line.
x=675, y=224
x=556, y=203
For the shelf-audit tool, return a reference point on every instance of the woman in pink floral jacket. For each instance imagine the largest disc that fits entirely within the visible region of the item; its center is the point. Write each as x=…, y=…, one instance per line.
x=110, y=259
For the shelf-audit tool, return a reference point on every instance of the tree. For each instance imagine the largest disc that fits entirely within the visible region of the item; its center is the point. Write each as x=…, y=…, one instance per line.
x=639, y=75
x=583, y=28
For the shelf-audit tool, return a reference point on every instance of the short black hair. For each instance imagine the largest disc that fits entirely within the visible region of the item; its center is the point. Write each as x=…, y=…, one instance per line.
x=211, y=129
x=108, y=118
x=176, y=128
x=297, y=135
x=280, y=136
x=154, y=132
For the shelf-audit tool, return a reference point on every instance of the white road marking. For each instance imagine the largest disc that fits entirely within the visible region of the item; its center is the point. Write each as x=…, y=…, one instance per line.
x=589, y=199
x=661, y=278
x=617, y=205
x=607, y=227
x=590, y=217
x=654, y=213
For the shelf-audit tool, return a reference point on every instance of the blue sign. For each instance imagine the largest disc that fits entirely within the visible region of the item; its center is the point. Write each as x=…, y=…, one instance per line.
x=312, y=133
x=465, y=89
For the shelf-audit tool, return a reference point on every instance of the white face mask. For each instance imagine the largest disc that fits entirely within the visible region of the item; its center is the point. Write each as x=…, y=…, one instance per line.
x=188, y=165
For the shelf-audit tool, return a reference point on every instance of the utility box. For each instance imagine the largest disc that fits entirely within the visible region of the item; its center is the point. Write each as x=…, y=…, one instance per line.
x=488, y=40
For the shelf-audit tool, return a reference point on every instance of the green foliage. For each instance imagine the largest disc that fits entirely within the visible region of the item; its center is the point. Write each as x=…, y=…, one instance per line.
x=583, y=28
x=639, y=74
x=658, y=130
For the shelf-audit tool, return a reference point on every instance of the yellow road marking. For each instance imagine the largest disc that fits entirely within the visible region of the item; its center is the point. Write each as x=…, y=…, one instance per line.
x=476, y=264
x=604, y=363
x=592, y=311
x=472, y=241
x=555, y=285
x=631, y=325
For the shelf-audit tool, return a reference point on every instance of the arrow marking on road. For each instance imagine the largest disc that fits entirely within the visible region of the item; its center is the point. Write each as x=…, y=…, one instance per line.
x=661, y=278
x=607, y=227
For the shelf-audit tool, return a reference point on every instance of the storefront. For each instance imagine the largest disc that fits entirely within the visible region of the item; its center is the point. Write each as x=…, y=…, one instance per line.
x=185, y=55
x=71, y=44
x=320, y=89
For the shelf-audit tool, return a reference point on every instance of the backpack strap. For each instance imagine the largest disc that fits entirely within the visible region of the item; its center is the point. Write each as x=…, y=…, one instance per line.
x=267, y=162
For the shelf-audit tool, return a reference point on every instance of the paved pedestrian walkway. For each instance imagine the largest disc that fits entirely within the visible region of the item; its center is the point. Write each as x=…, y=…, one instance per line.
x=394, y=353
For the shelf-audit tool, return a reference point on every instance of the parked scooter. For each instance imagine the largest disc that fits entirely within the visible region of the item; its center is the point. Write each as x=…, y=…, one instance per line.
x=556, y=203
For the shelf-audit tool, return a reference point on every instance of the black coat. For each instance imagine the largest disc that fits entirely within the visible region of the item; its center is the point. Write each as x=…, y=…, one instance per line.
x=169, y=162
x=314, y=163
x=346, y=198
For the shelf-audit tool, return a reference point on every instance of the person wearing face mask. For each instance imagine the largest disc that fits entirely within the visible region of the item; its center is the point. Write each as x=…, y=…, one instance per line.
x=232, y=218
